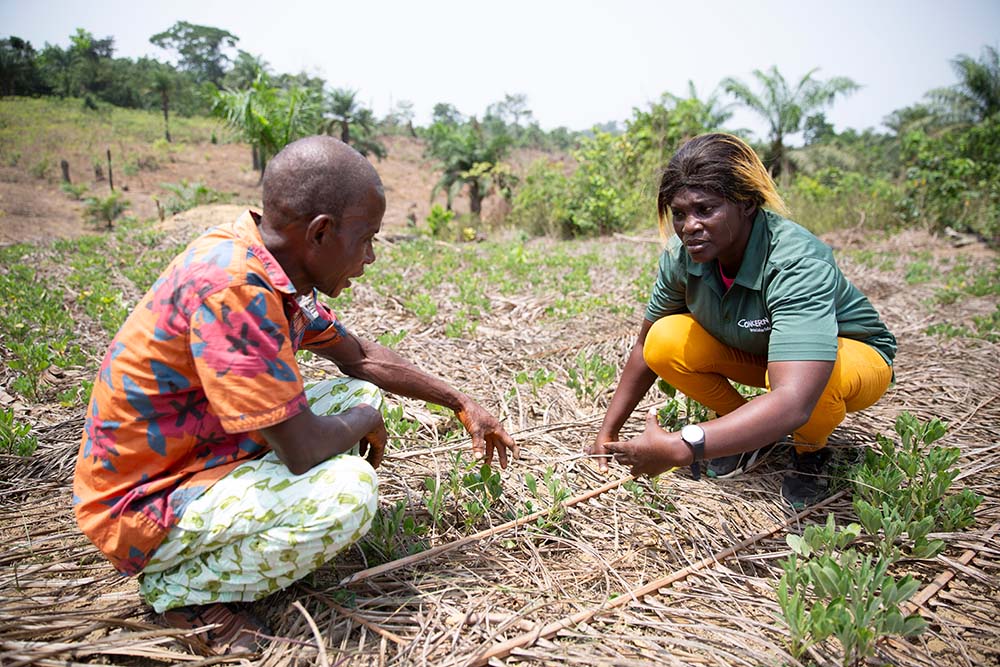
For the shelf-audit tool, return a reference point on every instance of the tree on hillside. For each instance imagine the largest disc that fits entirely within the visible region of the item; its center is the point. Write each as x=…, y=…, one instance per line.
x=200, y=49
x=976, y=96
x=343, y=114
x=672, y=120
x=446, y=114
x=18, y=71
x=401, y=115
x=162, y=83
x=267, y=117
x=469, y=155
x=244, y=72
x=784, y=107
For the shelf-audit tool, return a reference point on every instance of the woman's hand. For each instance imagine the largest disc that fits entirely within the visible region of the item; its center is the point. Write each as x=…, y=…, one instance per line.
x=598, y=452
x=487, y=433
x=653, y=451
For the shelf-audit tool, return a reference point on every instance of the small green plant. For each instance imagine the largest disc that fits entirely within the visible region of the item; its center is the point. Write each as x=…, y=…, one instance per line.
x=435, y=500
x=422, y=306
x=591, y=376
x=396, y=425
x=902, y=491
x=74, y=191
x=105, y=209
x=15, y=436
x=439, y=220
x=536, y=380
x=557, y=494
x=392, y=338
x=483, y=488
x=41, y=168
x=674, y=415
x=189, y=195
x=393, y=534
x=829, y=590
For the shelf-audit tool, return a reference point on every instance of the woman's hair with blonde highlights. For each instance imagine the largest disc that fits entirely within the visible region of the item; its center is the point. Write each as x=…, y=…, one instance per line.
x=720, y=163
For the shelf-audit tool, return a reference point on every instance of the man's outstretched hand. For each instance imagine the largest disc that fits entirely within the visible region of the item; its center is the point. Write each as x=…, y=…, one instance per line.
x=487, y=434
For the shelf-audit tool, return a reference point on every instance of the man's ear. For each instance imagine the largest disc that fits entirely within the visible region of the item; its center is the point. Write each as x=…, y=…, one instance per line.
x=749, y=209
x=318, y=228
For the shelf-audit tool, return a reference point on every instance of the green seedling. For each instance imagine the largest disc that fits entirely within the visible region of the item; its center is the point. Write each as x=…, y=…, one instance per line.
x=15, y=436
x=591, y=376
x=901, y=492
x=105, y=209
x=393, y=535
x=828, y=590
x=536, y=380
x=392, y=338
x=482, y=488
x=75, y=192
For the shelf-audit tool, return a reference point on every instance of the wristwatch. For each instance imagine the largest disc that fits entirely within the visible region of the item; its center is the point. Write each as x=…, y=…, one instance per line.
x=694, y=437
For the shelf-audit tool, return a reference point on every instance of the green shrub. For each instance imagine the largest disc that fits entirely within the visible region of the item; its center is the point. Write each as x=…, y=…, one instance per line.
x=833, y=199
x=186, y=196
x=105, y=209
x=15, y=436
x=439, y=220
x=953, y=179
x=74, y=191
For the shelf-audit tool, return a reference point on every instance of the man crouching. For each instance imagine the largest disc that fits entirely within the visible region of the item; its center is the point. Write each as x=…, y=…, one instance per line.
x=207, y=467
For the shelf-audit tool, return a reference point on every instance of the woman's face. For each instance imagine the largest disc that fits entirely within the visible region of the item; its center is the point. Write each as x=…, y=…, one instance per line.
x=712, y=227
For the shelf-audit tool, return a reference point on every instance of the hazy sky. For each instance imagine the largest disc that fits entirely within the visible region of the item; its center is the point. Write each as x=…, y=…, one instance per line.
x=578, y=62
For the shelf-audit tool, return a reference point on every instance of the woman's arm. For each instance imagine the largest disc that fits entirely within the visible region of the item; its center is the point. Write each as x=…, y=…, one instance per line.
x=795, y=389
x=635, y=381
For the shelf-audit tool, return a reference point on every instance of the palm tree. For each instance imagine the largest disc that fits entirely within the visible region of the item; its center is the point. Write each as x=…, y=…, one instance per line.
x=976, y=96
x=784, y=107
x=674, y=119
x=344, y=113
x=268, y=118
x=468, y=156
x=162, y=84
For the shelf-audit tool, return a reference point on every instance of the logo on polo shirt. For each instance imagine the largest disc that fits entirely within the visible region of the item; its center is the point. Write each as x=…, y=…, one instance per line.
x=763, y=325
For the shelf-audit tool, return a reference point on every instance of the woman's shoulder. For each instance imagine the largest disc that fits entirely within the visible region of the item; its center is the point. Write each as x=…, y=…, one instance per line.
x=789, y=241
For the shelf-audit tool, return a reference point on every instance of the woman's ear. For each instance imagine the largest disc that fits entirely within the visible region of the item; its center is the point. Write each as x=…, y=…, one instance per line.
x=749, y=209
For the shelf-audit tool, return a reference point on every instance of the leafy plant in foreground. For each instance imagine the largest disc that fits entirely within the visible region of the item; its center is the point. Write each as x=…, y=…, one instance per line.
x=105, y=209
x=15, y=436
x=831, y=589
x=902, y=490
x=393, y=535
x=828, y=590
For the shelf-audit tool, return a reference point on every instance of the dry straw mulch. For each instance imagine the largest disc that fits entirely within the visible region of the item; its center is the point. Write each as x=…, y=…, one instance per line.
x=680, y=574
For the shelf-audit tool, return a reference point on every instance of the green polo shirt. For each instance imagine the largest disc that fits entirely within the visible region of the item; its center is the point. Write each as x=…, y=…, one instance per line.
x=789, y=302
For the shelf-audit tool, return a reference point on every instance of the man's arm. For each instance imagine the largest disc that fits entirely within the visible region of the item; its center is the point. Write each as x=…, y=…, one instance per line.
x=375, y=363
x=307, y=438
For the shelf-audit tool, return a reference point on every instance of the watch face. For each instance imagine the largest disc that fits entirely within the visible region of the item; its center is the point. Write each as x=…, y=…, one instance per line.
x=692, y=433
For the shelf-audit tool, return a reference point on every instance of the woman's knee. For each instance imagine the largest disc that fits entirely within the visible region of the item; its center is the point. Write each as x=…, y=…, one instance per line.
x=665, y=342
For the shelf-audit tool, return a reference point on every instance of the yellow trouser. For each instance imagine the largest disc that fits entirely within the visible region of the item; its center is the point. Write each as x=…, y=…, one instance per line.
x=683, y=353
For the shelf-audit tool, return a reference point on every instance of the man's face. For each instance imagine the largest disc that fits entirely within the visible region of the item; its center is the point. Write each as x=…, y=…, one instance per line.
x=346, y=247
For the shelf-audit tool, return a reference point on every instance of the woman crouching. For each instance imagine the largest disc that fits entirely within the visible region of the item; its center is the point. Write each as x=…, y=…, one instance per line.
x=745, y=295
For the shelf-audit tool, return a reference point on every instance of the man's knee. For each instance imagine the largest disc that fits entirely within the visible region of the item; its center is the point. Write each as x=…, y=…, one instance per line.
x=343, y=486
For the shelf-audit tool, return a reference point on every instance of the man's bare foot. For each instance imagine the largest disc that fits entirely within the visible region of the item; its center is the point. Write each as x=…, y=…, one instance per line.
x=235, y=630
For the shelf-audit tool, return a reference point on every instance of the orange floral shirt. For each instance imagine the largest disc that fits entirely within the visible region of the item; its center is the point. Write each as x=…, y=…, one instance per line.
x=205, y=360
